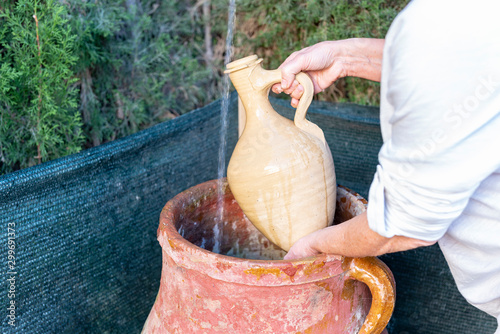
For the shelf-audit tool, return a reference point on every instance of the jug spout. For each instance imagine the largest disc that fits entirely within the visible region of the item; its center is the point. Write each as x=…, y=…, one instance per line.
x=242, y=63
x=250, y=79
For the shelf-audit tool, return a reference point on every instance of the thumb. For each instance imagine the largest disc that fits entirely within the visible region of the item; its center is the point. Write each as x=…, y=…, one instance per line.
x=290, y=256
x=289, y=69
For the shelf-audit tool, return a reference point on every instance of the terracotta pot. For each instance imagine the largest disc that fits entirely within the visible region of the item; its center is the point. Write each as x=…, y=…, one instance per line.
x=281, y=171
x=247, y=288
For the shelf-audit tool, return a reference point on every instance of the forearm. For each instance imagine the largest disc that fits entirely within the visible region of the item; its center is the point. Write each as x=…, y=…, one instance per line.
x=354, y=238
x=361, y=57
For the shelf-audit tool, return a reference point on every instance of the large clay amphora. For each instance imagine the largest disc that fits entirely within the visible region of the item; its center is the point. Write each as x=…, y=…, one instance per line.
x=245, y=288
x=281, y=171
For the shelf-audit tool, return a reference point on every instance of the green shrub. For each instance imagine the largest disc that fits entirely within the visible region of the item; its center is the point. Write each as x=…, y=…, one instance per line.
x=105, y=69
x=39, y=119
x=139, y=65
x=276, y=29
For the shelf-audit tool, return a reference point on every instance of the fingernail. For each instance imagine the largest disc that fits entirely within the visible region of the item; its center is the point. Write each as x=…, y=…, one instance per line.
x=284, y=84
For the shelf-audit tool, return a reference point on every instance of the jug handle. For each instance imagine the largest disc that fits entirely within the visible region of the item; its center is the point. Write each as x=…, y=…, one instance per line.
x=274, y=76
x=380, y=281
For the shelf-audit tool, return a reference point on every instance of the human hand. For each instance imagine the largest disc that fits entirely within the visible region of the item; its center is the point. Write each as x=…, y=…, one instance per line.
x=352, y=238
x=318, y=61
x=302, y=248
x=329, y=61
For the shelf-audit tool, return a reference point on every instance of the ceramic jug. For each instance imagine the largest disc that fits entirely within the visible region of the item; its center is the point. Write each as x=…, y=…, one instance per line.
x=281, y=172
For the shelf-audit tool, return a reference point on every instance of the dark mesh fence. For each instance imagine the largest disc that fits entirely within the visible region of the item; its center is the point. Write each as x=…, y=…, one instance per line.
x=87, y=259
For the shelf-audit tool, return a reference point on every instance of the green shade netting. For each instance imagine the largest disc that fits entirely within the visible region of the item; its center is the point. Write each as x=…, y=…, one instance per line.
x=87, y=259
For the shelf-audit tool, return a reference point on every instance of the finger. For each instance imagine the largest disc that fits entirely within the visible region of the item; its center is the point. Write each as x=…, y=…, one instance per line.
x=297, y=93
x=293, y=87
x=294, y=103
x=291, y=58
x=276, y=88
x=290, y=68
x=291, y=256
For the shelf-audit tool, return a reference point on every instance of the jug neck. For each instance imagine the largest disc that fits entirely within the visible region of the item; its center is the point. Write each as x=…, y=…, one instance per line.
x=251, y=81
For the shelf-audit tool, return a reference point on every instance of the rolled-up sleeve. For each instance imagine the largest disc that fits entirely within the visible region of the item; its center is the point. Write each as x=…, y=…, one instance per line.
x=398, y=207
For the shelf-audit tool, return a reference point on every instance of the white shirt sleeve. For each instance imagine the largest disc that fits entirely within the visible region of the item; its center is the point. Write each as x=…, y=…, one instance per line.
x=440, y=117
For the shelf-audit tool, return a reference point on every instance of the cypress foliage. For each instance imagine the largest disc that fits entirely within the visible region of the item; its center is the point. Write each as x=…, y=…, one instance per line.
x=39, y=119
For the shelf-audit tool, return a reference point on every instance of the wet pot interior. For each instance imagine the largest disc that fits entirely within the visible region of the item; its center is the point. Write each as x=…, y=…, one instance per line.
x=234, y=235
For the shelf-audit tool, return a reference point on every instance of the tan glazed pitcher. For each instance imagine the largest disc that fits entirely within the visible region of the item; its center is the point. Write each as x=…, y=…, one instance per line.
x=281, y=172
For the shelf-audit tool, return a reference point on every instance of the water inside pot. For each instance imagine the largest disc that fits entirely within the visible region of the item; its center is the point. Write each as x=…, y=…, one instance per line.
x=238, y=237
x=234, y=235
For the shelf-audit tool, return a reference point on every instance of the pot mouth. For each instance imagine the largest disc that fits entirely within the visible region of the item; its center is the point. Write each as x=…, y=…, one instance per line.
x=242, y=63
x=273, y=272
x=349, y=204
x=178, y=209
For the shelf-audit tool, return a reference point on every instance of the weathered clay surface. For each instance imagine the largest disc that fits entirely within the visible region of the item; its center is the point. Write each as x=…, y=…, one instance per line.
x=253, y=291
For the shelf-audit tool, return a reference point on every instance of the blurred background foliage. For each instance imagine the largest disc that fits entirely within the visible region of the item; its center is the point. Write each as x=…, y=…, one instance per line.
x=85, y=72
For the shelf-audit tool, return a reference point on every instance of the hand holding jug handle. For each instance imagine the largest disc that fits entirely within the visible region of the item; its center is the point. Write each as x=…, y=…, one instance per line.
x=300, y=120
x=305, y=101
x=379, y=279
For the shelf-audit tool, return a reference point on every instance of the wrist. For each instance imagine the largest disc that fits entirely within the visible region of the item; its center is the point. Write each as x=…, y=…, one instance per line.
x=359, y=57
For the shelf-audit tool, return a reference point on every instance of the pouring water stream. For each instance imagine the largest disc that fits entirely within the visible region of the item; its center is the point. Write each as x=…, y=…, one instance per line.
x=223, y=130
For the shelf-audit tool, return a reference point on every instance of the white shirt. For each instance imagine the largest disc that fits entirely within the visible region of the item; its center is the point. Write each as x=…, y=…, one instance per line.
x=439, y=167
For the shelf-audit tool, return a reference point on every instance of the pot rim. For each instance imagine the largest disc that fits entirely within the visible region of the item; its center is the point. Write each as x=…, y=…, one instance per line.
x=314, y=268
